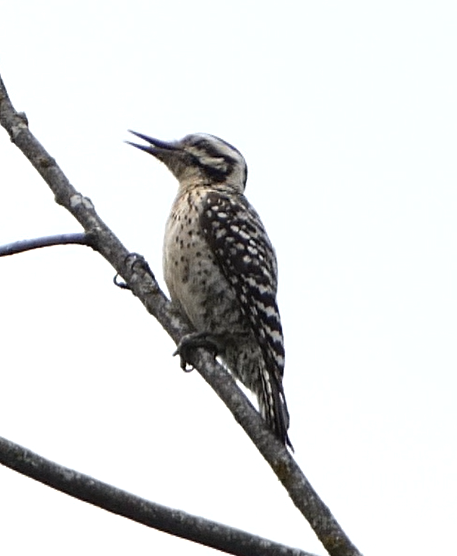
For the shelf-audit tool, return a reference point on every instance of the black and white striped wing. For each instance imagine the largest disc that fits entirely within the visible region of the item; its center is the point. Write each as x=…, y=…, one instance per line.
x=236, y=236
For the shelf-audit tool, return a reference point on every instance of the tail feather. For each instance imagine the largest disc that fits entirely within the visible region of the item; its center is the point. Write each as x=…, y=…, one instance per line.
x=273, y=407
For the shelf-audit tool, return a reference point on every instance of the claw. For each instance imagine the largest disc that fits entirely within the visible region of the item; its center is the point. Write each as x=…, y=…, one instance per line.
x=139, y=260
x=120, y=283
x=133, y=259
x=193, y=341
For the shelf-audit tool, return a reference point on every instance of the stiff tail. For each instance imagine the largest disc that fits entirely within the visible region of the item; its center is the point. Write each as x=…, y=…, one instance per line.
x=273, y=407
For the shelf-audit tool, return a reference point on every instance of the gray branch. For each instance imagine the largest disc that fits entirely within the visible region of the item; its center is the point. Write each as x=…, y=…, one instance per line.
x=48, y=241
x=144, y=286
x=117, y=501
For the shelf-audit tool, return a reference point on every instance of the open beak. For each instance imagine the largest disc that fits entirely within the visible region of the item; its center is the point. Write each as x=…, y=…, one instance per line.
x=155, y=146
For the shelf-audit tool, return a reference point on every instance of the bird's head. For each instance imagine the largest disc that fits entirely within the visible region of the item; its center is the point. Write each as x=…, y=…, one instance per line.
x=199, y=159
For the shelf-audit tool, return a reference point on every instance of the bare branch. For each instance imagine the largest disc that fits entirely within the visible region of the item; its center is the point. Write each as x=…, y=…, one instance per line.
x=48, y=241
x=144, y=286
x=115, y=500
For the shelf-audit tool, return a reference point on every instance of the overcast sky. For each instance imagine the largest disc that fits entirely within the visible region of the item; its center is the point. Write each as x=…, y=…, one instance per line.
x=346, y=114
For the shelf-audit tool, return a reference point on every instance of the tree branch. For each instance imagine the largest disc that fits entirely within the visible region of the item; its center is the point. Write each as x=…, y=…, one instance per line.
x=49, y=241
x=117, y=501
x=144, y=286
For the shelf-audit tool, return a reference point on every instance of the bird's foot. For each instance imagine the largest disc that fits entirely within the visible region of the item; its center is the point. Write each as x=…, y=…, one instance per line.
x=193, y=341
x=132, y=260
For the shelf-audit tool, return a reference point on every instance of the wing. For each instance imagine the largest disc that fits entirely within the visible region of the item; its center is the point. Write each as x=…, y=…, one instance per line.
x=237, y=238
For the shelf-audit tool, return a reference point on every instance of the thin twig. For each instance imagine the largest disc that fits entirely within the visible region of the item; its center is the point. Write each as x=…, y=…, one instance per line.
x=144, y=286
x=48, y=241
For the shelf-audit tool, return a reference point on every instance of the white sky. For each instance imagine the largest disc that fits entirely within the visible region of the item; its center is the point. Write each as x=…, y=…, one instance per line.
x=346, y=114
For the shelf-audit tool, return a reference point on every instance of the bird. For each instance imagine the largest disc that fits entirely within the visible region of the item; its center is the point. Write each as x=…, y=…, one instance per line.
x=221, y=269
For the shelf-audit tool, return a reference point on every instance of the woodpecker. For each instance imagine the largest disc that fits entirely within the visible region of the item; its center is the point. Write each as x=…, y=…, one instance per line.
x=220, y=267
